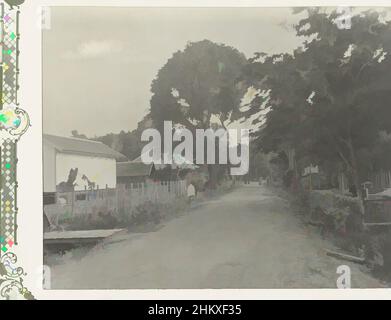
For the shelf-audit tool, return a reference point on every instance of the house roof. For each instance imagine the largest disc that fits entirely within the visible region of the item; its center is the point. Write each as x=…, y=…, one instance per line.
x=134, y=169
x=177, y=158
x=82, y=146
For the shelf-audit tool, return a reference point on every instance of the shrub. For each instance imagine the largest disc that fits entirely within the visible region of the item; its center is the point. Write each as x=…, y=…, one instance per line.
x=146, y=212
x=90, y=222
x=378, y=251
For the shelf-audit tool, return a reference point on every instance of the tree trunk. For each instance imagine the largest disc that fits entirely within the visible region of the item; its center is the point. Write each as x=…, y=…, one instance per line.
x=213, y=171
x=354, y=168
x=292, y=167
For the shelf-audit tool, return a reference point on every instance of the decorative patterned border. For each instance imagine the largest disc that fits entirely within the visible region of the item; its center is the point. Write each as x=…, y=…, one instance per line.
x=14, y=122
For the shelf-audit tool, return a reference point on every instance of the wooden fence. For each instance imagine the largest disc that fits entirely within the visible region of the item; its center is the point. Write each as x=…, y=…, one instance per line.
x=377, y=211
x=112, y=201
x=381, y=181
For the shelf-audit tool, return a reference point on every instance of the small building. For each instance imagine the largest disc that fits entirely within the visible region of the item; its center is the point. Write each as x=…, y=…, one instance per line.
x=134, y=172
x=167, y=172
x=313, y=178
x=72, y=164
x=381, y=181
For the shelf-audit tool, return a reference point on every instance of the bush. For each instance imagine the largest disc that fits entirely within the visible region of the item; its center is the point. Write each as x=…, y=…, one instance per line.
x=90, y=222
x=378, y=252
x=146, y=212
x=339, y=216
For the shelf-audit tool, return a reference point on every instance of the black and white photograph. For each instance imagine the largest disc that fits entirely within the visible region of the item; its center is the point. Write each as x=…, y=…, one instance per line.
x=216, y=147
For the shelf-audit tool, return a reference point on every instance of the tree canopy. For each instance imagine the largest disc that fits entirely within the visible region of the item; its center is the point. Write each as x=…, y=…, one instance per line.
x=330, y=99
x=198, y=83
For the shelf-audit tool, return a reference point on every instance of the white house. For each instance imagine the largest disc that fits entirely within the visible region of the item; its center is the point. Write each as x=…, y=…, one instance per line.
x=94, y=163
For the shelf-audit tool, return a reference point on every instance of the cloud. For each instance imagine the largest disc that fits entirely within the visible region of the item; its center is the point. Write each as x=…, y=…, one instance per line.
x=93, y=49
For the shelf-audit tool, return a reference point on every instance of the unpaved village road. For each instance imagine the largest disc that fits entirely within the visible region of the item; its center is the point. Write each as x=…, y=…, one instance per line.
x=248, y=238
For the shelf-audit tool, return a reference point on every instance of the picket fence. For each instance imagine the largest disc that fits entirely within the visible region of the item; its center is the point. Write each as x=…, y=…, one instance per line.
x=123, y=199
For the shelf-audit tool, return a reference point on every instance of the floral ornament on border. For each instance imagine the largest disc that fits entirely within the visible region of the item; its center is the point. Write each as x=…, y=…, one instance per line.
x=11, y=281
x=14, y=122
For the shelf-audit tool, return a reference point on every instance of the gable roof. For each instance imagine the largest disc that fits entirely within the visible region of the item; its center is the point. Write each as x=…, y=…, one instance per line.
x=134, y=169
x=82, y=147
x=177, y=158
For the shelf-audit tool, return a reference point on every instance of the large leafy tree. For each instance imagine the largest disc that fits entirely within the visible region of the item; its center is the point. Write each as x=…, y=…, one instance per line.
x=331, y=98
x=282, y=77
x=197, y=83
x=198, y=86
x=353, y=88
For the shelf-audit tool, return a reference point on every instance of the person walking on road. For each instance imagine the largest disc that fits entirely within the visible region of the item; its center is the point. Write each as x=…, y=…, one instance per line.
x=191, y=193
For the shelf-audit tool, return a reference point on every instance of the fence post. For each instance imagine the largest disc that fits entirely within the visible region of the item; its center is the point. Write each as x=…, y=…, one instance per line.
x=107, y=197
x=73, y=201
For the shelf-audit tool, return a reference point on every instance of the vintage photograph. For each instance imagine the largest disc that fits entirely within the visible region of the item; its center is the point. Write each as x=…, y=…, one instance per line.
x=217, y=148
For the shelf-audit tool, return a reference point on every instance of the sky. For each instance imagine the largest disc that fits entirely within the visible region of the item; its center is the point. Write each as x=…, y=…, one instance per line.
x=99, y=62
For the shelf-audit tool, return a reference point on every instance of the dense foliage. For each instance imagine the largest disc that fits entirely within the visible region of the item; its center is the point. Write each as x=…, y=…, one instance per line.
x=330, y=99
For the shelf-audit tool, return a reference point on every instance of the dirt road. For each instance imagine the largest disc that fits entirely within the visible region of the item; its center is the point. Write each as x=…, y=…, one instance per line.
x=248, y=238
